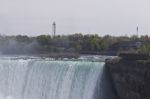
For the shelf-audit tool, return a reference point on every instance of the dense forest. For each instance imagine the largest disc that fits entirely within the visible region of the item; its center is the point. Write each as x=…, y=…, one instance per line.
x=75, y=43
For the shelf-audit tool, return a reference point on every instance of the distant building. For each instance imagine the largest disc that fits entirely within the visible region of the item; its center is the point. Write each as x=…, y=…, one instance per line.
x=54, y=29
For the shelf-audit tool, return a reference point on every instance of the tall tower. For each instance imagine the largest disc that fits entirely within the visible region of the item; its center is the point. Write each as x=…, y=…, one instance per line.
x=54, y=29
x=137, y=31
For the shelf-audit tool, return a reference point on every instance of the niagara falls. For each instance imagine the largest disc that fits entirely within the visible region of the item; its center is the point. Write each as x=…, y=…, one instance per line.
x=53, y=79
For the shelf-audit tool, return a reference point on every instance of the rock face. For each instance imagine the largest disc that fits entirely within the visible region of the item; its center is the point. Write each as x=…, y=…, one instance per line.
x=131, y=79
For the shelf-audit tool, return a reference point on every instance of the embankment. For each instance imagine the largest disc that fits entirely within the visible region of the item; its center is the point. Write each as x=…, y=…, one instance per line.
x=131, y=78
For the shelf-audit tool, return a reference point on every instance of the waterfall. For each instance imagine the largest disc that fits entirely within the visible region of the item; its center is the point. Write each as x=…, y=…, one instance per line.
x=42, y=79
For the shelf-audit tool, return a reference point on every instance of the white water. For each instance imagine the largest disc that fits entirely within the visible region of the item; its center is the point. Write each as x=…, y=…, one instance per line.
x=41, y=79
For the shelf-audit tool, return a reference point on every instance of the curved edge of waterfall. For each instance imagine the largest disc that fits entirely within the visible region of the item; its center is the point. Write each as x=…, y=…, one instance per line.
x=105, y=88
x=41, y=79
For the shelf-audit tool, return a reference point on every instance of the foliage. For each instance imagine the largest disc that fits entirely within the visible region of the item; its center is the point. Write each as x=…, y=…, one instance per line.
x=75, y=43
x=144, y=48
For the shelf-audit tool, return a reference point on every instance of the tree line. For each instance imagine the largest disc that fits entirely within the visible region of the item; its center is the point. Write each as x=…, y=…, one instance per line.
x=75, y=43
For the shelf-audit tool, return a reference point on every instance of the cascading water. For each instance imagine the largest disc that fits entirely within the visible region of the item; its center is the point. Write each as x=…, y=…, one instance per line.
x=42, y=79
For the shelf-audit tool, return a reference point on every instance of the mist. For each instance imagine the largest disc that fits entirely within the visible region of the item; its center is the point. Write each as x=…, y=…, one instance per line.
x=14, y=45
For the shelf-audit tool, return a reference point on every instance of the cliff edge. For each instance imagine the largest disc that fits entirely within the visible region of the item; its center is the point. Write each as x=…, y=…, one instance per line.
x=131, y=78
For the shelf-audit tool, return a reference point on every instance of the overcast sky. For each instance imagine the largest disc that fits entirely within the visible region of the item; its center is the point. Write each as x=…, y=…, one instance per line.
x=35, y=17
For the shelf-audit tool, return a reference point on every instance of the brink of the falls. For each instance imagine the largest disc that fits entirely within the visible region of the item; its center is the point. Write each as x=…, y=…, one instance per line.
x=43, y=79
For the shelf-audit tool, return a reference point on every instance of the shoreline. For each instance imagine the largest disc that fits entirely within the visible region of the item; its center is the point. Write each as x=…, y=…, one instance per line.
x=57, y=55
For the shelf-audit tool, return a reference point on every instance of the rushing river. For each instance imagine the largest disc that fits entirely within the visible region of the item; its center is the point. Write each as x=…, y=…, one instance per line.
x=53, y=79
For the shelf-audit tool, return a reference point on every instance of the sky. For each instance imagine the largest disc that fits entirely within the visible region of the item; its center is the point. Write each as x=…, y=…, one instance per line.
x=102, y=17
